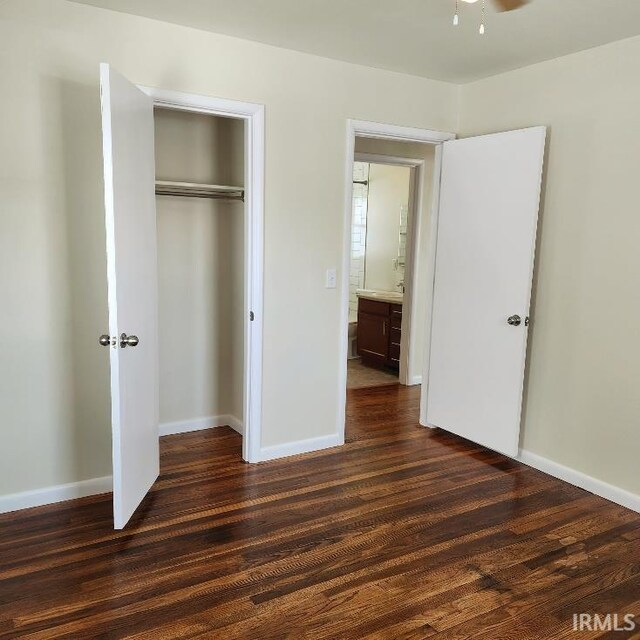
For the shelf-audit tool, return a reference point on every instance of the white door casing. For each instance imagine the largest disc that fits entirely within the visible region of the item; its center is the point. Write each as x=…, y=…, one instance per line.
x=489, y=200
x=130, y=215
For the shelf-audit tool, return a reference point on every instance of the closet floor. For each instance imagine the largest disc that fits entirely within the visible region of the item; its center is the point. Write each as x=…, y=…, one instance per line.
x=404, y=532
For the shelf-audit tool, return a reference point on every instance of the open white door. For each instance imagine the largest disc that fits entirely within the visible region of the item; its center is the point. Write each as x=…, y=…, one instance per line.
x=130, y=211
x=489, y=200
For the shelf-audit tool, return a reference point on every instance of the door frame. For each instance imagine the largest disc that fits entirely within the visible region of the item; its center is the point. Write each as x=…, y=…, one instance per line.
x=395, y=133
x=415, y=202
x=254, y=131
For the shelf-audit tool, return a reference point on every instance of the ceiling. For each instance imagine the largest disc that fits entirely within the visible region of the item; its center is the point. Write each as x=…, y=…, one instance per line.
x=410, y=36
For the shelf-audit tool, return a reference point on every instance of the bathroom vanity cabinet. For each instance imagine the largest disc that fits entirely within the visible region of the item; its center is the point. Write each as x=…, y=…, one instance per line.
x=379, y=332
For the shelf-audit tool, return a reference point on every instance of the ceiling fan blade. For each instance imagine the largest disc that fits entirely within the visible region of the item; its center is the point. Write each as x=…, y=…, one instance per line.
x=510, y=5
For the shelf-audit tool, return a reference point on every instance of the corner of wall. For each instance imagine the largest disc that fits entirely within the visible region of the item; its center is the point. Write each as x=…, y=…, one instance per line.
x=459, y=104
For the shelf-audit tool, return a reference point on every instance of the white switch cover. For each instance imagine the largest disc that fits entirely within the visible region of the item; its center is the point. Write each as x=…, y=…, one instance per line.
x=330, y=281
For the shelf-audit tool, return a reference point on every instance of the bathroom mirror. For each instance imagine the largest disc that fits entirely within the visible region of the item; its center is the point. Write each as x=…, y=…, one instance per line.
x=379, y=228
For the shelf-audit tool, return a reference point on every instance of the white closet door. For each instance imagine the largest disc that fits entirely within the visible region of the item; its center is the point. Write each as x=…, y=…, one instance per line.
x=489, y=199
x=129, y=178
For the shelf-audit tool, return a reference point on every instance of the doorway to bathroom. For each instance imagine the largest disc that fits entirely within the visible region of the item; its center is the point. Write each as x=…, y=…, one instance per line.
x=485, y=198
x=391, y=198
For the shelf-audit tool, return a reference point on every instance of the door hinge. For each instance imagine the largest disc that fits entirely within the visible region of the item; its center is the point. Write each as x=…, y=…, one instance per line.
x=252, y=316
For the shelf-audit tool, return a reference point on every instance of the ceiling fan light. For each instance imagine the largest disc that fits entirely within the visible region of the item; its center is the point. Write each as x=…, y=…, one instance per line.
x=484, y=10
x=456, y=20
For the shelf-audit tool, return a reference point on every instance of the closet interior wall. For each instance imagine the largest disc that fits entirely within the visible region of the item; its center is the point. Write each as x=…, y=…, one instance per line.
x=200, y=270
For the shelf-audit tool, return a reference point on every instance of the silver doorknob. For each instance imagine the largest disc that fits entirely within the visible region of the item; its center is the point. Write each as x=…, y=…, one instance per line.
x=514, y=321
x=128, y=341
x=105, y=340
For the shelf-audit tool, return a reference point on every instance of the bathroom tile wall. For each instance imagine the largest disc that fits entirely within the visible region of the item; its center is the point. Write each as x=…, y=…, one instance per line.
x=358, y=236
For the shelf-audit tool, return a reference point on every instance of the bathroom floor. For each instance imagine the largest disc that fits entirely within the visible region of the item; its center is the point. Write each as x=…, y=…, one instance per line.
x=360, y=376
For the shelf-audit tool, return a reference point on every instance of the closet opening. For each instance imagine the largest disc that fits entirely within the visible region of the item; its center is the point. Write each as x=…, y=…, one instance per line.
x=184, y=180
x=201, y=299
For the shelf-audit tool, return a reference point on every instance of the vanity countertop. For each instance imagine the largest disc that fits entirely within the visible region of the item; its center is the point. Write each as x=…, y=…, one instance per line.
x=393, y=297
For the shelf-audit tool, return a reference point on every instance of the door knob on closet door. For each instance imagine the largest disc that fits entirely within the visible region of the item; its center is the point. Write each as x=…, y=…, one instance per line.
x=514, y=321
x=105, y=340
x=128, y=341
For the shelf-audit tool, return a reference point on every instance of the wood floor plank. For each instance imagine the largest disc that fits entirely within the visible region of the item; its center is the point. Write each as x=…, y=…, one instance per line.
x=404, y=532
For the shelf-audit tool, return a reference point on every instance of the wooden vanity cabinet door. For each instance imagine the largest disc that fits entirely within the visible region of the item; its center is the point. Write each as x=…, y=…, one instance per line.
x=373, y=331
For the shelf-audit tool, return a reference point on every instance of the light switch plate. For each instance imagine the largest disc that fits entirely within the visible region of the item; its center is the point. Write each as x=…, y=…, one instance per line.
x=330, y=279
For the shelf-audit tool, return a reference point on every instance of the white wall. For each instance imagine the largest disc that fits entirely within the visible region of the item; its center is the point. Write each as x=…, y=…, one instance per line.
x=388, y=193
x=582, y=406
x=200, y=268
x=54, y=382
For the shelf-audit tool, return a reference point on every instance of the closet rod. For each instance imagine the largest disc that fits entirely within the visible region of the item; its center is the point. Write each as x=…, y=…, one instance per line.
x=196, y=190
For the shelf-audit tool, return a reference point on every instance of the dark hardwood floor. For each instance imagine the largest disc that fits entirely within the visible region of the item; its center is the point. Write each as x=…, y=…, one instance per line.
x=403, y=533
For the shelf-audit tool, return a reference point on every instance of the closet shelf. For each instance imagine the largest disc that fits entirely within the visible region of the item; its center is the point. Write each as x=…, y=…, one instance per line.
x=196, y=190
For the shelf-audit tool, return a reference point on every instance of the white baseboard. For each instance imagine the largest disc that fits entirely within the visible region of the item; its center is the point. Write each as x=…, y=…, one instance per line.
x=414, y=380
x=84, y=488
x=300, y=446
x=582, y=480
x=235, y=424
x=58, y=493
x=198, y=424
